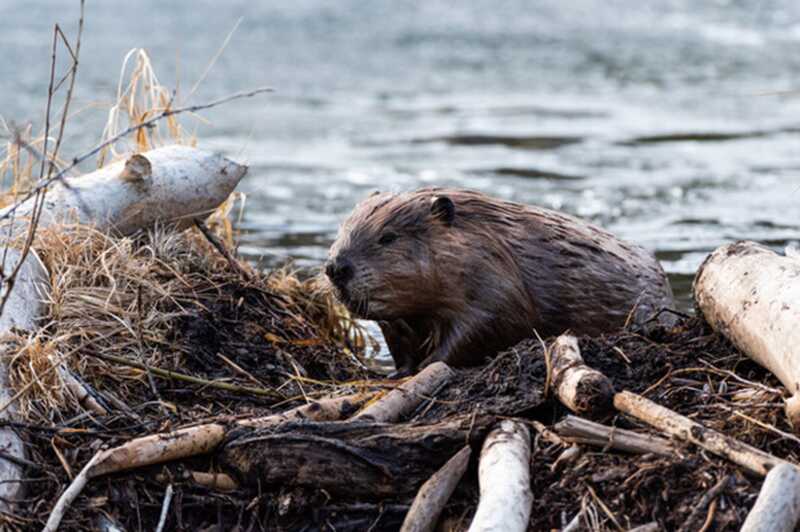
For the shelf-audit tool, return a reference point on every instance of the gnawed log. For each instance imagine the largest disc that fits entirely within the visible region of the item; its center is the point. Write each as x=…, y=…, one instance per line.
x=751, y=295
x=777, y=508
x=504, y=479
x=754, y=460
x=434, y=494
x=577, y=430
x=356, y=459
x=173, y=184
x=583, y=390
x=405, y=398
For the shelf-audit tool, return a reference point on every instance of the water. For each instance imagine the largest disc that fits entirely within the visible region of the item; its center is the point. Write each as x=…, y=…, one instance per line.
x=671, y=123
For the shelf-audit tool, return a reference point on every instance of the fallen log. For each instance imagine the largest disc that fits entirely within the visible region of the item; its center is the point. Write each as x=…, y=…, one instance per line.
x=434, y=494
x=754, y=460
x=777, y=508
x=355, y=458
x=577, y=430
x=751, y=295
x=583, y=390
x=405, y=398
x=504, y=480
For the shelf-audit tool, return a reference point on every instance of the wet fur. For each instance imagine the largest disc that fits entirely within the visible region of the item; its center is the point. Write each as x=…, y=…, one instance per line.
x=460, y=290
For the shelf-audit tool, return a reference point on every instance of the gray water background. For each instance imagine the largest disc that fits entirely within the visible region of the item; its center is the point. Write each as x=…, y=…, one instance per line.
x=673, y=123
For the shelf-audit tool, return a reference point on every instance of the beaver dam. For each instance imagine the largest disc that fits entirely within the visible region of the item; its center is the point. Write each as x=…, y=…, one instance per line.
x=167, y=333
x=153, y=380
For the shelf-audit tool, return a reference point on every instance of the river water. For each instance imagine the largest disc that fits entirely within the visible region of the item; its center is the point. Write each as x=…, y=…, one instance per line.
x=673, y=123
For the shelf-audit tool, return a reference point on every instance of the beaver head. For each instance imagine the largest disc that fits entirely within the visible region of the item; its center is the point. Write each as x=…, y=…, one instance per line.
x=383, y=263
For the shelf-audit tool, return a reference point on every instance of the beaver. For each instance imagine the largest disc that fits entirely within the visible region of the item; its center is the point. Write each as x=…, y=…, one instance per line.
x=456, y=275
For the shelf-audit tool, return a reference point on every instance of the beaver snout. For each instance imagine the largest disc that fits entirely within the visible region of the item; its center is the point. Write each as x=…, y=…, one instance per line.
x=339, y=271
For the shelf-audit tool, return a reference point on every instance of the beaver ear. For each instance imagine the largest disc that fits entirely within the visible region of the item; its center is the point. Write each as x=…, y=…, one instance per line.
x=374, y=193
x=443, y=208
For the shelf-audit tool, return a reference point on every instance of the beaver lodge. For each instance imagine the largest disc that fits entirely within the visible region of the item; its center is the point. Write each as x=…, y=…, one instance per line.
x=152, y=380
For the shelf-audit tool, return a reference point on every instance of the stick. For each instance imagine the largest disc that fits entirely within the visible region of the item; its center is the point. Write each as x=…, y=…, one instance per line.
x=70, y=494
x=162, y=520
x=754, y=460
x=434, y=494
x=159, y=448
x=330, y=409
x=167, y=374
x=504, y=480
x=708, y=498
x=777, y=508
x=577, y=430
x=403, y=399
x=580, y=388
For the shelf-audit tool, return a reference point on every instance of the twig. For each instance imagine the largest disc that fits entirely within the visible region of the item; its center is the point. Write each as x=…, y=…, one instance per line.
x=69, y=495
x=165, y=509
x=166, y=374
x=710, y=496
x=212, y=238
x=146, y=124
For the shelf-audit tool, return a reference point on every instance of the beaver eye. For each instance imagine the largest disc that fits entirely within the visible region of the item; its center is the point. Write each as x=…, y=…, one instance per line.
x=387, y=238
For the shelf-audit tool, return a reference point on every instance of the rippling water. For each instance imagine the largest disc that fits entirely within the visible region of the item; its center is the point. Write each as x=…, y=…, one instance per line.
x=672, y=123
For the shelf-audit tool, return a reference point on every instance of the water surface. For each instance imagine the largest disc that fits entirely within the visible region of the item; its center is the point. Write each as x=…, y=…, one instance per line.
x=672, y=123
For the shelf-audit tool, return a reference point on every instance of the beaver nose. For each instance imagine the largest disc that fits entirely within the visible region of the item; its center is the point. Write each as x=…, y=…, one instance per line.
x=339, y=271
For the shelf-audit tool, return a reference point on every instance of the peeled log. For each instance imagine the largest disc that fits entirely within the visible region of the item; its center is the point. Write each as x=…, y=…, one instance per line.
x=173, y=184
x=405, y=398
x=434, y=494
x=751, y=295
x=504, y=480
x=580, y=388
x=777, y=508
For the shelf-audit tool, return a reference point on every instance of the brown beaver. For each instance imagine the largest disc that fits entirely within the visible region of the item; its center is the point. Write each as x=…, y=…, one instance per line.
x=456, y=275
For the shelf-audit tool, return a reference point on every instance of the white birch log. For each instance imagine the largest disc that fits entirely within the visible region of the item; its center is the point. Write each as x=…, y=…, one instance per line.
x=504, y=480
x=777, y=508
x=169, y=184
x=751, y=295
x=165, y=185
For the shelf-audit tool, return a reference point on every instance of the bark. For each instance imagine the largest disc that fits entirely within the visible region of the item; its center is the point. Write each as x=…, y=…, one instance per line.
x=583, y=390
x=751, y=295
x=434, y=494
x=504, y=479
x=754, y=460
x=355, y=459
x=777, y=508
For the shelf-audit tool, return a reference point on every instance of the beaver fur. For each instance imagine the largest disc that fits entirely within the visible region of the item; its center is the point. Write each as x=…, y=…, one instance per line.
x=456, y=275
